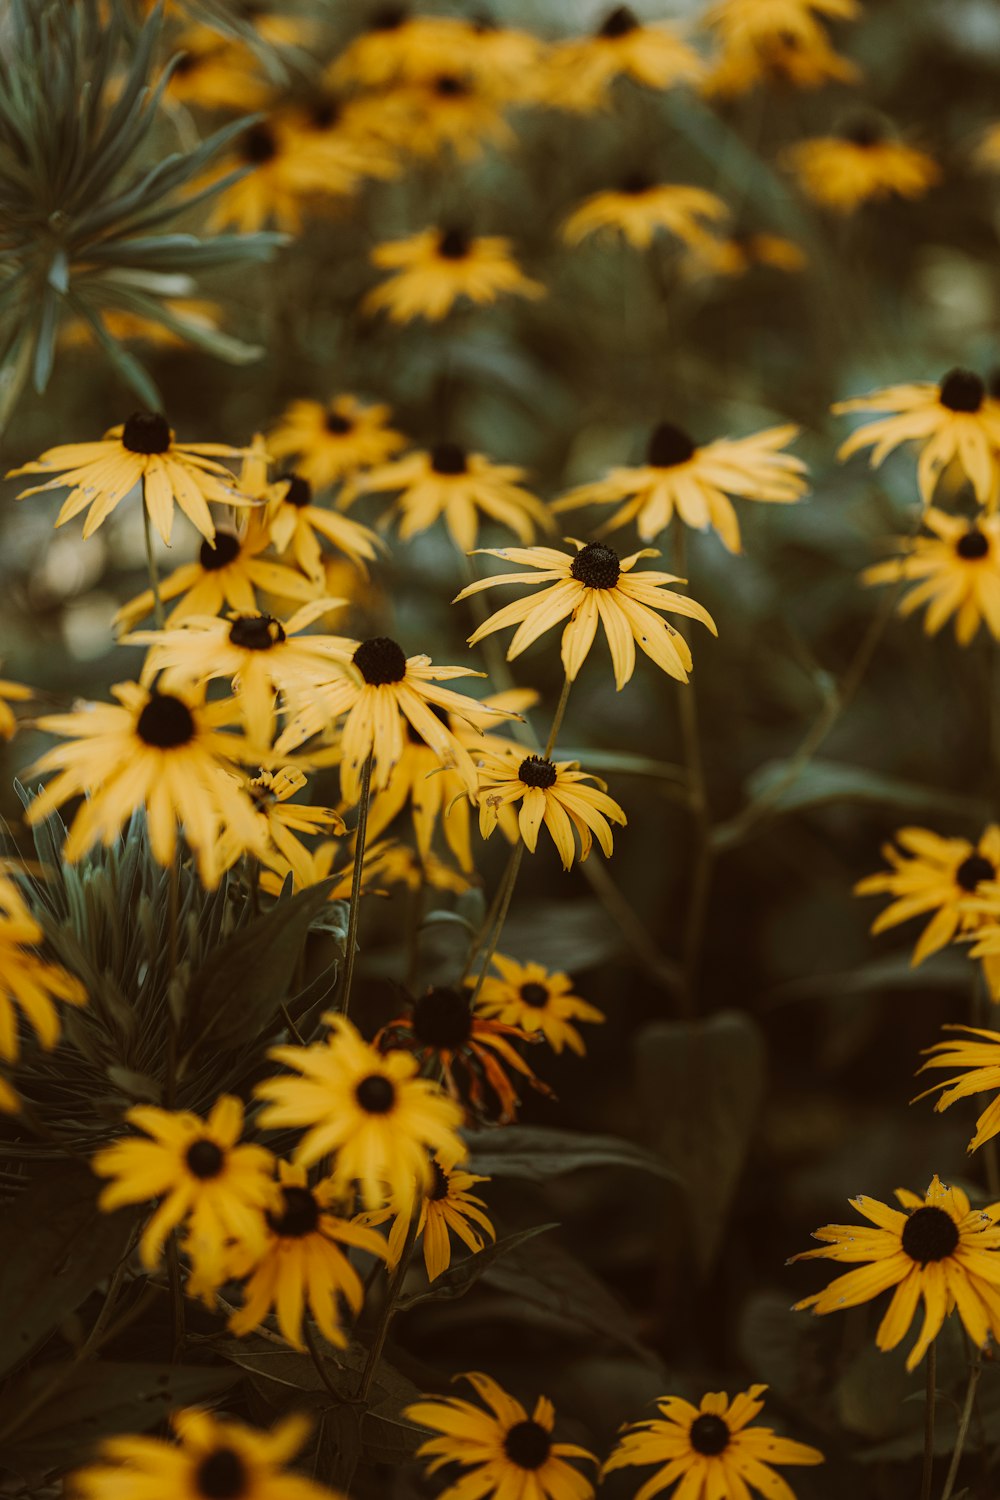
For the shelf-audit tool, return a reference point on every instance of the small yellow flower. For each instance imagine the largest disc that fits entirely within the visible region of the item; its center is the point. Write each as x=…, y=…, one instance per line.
x=396, y=46
x=450, y=110
x=738, y=253
x=842, y=172
x=639, y=208
x=537, y=1000
x=296, y=523
x=283, y=178
x=282, y=820
x=448, y=1208
x=329, y=442
x=776, y=42
x=215, y=71
x=977, y=1054
x=27, y=981
x=435, y=269
x=552, y=793
x=956, y=572
x=653, y=55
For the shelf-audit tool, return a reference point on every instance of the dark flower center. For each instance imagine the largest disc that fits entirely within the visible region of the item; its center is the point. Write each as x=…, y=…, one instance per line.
x=388, y=18
x=338, y=425
x=534, y=770
x=439, y=1184
x=454, y=244
x=596, y=566
x=619, y=23
x=973, y=545
x=635, y=184
x=221, y=1476
x=961, y=390
x=930, y=1235
x=669, y=446
x=256, y=632
x=534, y=994
x=324, y=113
x=299, y=492
x=447, y=86
x=219, y=554
x=708, y=1435
x=442, y=1018
x=448, y=458
x=204, y=1159
x=146, y=432
x=528, y=1445
x=166, y=723
x=376, y=1094
x=863, y=130
x=259, y=145
x=380, y=661
x=972, y=871
x=299, y=1214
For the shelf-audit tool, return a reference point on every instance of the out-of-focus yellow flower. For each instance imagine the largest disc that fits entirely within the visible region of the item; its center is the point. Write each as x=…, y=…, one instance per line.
x=538, y=1000
x=455, y=111
x=843, y=172
x=987, y=151
x=774, y=42
x=956, y=572
x=10, y=692
x=127, y=327
x=398, y=46
x=330, y=441
x=295, y=524
x=582, y=70
x=284, y=177
x=640, y=208
x=736, y=254
x=436, y=268
x=215, y=72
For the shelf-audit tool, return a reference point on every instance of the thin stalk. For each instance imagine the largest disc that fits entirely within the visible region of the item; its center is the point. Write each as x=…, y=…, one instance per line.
x=701, y=878
x=389, y=1310
x=488, y=922
x=506, y=898
x=927, y=1476
x=170, y=1095
x=360, y=839
x=154, y=572
x=963, y=1427
x=557, y=719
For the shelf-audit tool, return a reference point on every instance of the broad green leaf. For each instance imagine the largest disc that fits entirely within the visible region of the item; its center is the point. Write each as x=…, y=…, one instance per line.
x=535, y=1153
x=464, y=1273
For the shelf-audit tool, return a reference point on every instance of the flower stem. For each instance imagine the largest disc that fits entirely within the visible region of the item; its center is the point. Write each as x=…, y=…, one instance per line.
x=975, y=1371
x=701, y=879
x=360, y=838
x=154, y=572
x=392, y=1296
x=927, y=1476
x=557, y=718
x=505, y=898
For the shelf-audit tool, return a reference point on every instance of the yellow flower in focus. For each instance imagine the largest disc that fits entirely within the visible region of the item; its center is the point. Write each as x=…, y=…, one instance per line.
x=843, y=172
x=537, y=1000
x=448, y=1207
x=329, y=442
x=27, y=981
x=641, y=207
x=282, y=819
x=956, y=573
x=552, y=793
x=295, y=524
x=977, y=1053
x=939, y=1249
x=434, y=269
x=10, y=692
x=583, y=69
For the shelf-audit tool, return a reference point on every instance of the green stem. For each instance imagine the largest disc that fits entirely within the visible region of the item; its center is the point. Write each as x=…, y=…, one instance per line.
x=392, y=1296
x=488, y=921
x=963, y=1427
x=557, y=719
x=319, y=1361
x=927, y=1476
x=507, y=896
x=360, y=839
x=154, y=572
x=701, y=878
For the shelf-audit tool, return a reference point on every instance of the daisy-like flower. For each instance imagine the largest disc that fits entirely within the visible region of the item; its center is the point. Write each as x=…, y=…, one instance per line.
x=956, y=572
x=164, y=751
x=381, y=1120
x=550, y=792
x=340, y=142
x=696, y=482
x=219, y=1189
x=396, y=46
x=801, y=59
x=862, y=163
x=330, y=441
x=450, y=482
x=448, y=1207
x=976, y=1053
x=736, y=20
x=955, y=421
x=281, y=821
x=214, y=1459
x=27, y=980
x=453, y=110
x=503, y=1451
x=938, y=1248
x=142, y=452
x=281, y=179
x=434, y=269
x=296, y=525
x=710, y=1448
x=537, y=1000
x=640, y=207
x=738, y=253
x=215, y=72
x=594, y=586
x=10, y=692
x=391, y=691
x=387, y=864
x=653, y=55
x=303, y=1263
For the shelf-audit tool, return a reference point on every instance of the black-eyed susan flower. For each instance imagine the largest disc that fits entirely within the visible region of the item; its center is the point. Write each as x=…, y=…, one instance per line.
x=862, y=163
x=448, y=482
x=140, y=453
x=710, y=1451
x=436, y=268
x=296, y=524
x=284, y=823
x=215, y=71
x=388, y=691
x=215, y=1460
x=538, y=1001
x=128, y=327
x=955, y=421
x=593, y=586
x=10, y=692
x=330, y=441
x=280, y=179
x=956, y=573
x=640, y=208
x=742, y=251
x=164, y=751
x=388, y=863
x=396, y=45
x=937, y=1248
x=461, y=112
x=303, y=1263
x=775, y=43
x=503, y=1451
x=651, y=54
x=553, y=793
x=448, y=1208
x=382, y=1122
x=204, y=1178
x=340, y=142
x=27, y=981
x=976, y=1054
x=696, y=482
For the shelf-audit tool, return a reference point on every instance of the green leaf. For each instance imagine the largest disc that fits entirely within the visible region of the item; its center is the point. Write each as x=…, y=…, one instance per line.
x=534, y=1153
x=555, y=933
x=464, y=1273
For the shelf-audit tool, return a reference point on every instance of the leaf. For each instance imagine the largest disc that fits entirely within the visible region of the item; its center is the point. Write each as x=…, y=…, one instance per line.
x=948, y=969
x=534, y=1153
x=555, y=933
x=464, y=1273
x=700, y=1085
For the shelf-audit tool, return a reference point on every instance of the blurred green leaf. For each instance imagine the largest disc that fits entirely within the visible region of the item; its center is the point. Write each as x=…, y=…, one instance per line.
x=535, y=1153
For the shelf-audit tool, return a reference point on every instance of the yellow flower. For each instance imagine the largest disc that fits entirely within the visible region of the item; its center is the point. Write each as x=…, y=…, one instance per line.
x=296, y=524
x=396, y=46
x=841, y=172
x=640, y=207
x=956, y=572
x=10, y=692
x=453, y=110
x=696, y=482
x=537, y=1000
x=381, y=1120
x=218, y=1189
x=653, y=55
x=939, y=1249
x=710, y=1449
x=282, y=819
x=215, y=1457
x=738, y=253
x=215, y=72
x=447, y=1207
x=387, y=864
x=955, y=421
x=433, y=269
x=302, y=1263
x=977, y=1052
x=507, y=1452
x=140, y=452
x=26, y=980
x=330, y=442
x=162, y=751
x=126, y=327
x=337, y=143
x=550, y=792
x=280, y=181
x=449, y=481
x=987, y=153
x=593, y=587
x=776, y=41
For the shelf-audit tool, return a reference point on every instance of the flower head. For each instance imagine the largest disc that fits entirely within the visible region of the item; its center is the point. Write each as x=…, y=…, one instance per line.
x=956, y=573
x=448, y=1208
x=296, y=523
x=28, y=981
x=283, y=823
x=640, y=208
x=653, y=55
x=10, y=692
x=435, y=269
x=863, y=163
x=553, y=793
x=976, y=1053
x=537, y=1000
x=330, y=441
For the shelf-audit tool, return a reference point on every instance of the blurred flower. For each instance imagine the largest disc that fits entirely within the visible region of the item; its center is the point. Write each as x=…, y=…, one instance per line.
x=842, y=172
x=381, y=1121
x=710, y=1448
x=395, y=46
x=219, y=1189
x=340, y=142
x=27, y=980
x=10, y=692
x=447, y=1207
x=640, y=207
x=987, y=152
x=436, y=267
x=387, y=864
x=215, y=72
x=954, y=421
x=957, y=573
x=776, y=42
x=215, y=1457
x=282, y=819
x=977, y=1053
x=594, y=586
x=127, y=327
x=583, y=68
x=738, y=253
x=550, y=792
x=503, y=1451
x=140, y=452
x=940, y=1249
x=330, y=442
x=536, y=1000
x=696, y=481
x=456, y=110
x=161, y=751
x=281, y=180
x=296, y=524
